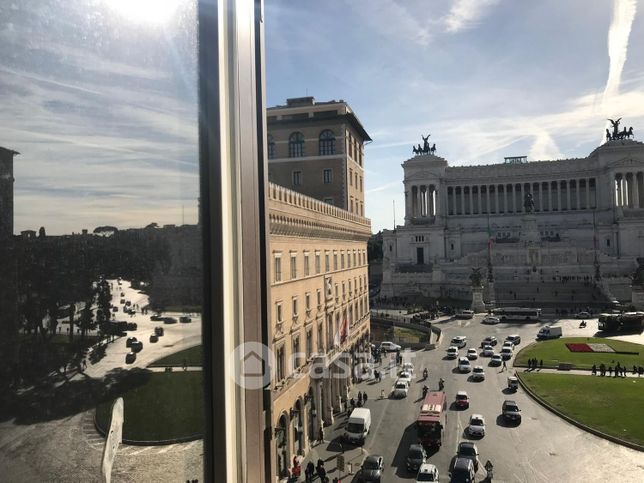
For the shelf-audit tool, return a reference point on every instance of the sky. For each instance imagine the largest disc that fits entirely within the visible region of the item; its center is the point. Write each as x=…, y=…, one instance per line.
x=99, y=96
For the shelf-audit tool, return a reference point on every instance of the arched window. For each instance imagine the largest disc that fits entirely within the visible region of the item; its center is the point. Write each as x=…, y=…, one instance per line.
x=296, y=145
x=327, y=142
x=271, y=147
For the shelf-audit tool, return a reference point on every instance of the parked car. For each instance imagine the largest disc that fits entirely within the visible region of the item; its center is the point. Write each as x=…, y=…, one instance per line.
x=389, y=347
x=507, y=343
x=452, y=352
x=582, y=315
x=462, y=471
x=489, y=340
x=491, y=320
x=137, y=346
x=496, y=360
x=154, y=338
x=122, y=301
x=427, y=472
x=405, y=377
x=185, y=318
x=467, y=449
x=465, y=314
x=464, y=364
x=416, y=457
x=169, y=320
x=511, y=411
x=132, y=326
x=462, y=400
x=472, y=354
x=408, y=367
x=514, y=338
x=476, y=428
x=156, y=318
x=459, y=341
x=130, y=357
x=488, y=351
x=129, y=341
x=400, y=389
x=506, y=353
x=478, y=374
x=372, y=468
x=158, y=331
x=115, y=309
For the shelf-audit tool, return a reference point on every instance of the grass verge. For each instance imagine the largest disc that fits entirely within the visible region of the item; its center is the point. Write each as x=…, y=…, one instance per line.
x=554, y=351
x=610, y=405
x=169, y=406
x=193, y=356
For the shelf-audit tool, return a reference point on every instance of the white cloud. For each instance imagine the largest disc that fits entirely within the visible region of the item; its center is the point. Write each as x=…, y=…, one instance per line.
x=465, y=14
x=544, y=147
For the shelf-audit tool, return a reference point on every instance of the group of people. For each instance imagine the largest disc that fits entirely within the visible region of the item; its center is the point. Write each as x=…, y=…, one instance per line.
x=312, y=470
x=362, y=400
x=532, y=364
x=618, y=371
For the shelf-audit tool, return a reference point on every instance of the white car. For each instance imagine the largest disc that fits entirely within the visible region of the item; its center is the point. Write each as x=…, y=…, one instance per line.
x=408, y=367
x=389, y=347
x=478, y=374
x=582, y=315
x=496, y=360
x=476, y=428
x=427, y=472
x=509, y=344
x=405, y=377
x=471, y=354
x=506, y=353
x=459, y=341
x=452, y=352
x=488, y=351
x=400, y=389
x=464, y=364
x=491, y=320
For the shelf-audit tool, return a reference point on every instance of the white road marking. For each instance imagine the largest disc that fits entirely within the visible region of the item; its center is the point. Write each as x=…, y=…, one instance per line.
x=166, y=449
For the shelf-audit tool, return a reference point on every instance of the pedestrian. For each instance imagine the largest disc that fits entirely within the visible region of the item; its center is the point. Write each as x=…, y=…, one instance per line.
x=382, y=394
x=610, y=371
x=505, y=366
x=594, y=370
x=309, y=472
x=353, y=403
x=365, y=397
x=540, y=363
x=640, y=371
x=634, y=370
x=359, y=397
x=321, y=435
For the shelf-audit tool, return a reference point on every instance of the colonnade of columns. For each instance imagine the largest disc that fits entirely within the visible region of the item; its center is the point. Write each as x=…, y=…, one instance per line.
x=422, y=201
x=560, y=195
x=629, y=190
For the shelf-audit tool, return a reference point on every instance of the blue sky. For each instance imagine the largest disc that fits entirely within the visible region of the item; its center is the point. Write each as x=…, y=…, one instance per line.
x=99, y=96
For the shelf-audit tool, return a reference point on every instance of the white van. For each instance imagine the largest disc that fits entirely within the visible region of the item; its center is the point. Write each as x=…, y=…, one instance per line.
x=358, y=425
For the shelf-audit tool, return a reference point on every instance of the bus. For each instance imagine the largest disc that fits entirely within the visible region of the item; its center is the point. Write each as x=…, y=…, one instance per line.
x=432, y=420
x=517, y=313
x=629, y=321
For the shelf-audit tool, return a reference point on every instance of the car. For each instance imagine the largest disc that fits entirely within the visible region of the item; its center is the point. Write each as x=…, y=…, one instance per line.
x=156, y=318
x=496, y=360
x=122, y=301
x=472, y=354
x=459, y=341
x=400, y=389
x=465, y=314
x=476, y=428
x=478, y=374
x=372, y=468
x=122, y=295
x=491, y=320
x=132, y=326
x=129, y=341
x=408, y=367
x=508, y=343
x=128, y=303
x=462, y=471
x=510, y=411
x=115, y=309
x=154, y=338
x=130, y=357
x=464, y=364
x=582, y=315
x=488, y=351
x=137, y=346
x=467, y=449
x=462, y=400
x=514, y=338
x=158, y=331
x=506, y=353
x=389, y=347
x=405, y=377
x=452, y=352
x=427, y=472
x=489, y=340
x=169, y=320
x=185, y=318
x=416, y=457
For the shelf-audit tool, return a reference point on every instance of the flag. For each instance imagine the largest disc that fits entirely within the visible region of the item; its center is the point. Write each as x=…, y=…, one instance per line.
x=344, y=330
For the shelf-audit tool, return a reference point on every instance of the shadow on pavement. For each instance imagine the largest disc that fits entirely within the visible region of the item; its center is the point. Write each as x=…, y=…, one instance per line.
x=399, y=461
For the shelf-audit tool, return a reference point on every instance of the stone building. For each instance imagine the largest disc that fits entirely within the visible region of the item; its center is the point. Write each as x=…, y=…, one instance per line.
x=319, y=296
x=530, y=225
x=6, y=192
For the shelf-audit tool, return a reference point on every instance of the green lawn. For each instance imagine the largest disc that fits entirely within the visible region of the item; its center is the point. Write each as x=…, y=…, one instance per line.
x=193, y=357
x=554, y=351
x=168, y=406
x=611, y=405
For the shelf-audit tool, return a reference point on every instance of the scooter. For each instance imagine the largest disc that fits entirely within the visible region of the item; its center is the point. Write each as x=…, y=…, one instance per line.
x=425, y=390
x=441, y=384
x=582, y=324
x=425, y=374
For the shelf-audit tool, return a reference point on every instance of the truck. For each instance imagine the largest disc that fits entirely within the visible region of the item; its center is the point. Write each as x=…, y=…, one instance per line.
x=625, y=322
x=549, y=332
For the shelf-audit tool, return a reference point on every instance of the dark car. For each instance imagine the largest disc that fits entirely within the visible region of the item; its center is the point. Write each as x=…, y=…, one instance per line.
x=169, y=320
x=415, y=457
x=130, y=341
x=463, y=471
x=132, y=326
x=156, y=318
x=130, y=358
x=184, y=319
x=154, y=338
x=467, y=449
x=137, y=346
x=511, y=411
x=372, y=468
x=158, y=331
x=489, y=340
x=462, y=400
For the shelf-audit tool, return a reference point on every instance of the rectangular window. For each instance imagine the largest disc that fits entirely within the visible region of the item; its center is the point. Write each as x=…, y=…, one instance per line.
x=320, y=339
x=309, y=343
x=307, y=300
x=306, y=265
x=293, y=266
x=317, y=262
x=326, y=262
x=342, y=260
x=335, y=260
x=344, y=290
x=278, y=312
x=328, y=176
x=297, y=178
x=280, y=364
x=360, y=183
x=319, y=295
x=296, y=352
x=350, y=177
x=329, y=201
x=354, y=259
x=278, y=268
x=350, y=289
x=294, y=304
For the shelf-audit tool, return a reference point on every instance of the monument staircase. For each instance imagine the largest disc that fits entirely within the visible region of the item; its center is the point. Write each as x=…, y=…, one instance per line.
x=551, y=295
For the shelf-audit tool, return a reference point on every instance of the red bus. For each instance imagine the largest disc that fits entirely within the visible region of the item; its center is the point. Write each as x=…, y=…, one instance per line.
x=432, y=419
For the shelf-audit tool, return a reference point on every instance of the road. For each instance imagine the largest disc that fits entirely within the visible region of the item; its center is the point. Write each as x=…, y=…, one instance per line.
x=544, y=448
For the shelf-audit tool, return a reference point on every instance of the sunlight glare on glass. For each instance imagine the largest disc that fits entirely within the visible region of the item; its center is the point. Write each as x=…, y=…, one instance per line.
x=155, y=12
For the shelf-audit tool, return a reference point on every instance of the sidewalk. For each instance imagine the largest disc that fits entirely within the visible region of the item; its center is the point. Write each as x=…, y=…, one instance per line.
x=577, y=372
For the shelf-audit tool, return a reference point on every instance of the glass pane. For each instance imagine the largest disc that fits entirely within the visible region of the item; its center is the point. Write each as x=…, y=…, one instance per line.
x=100, y=220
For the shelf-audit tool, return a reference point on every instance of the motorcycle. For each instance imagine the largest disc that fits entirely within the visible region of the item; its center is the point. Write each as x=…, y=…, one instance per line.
x=582, y=324
x=425, y=390
x=441, y=384
x=425, y=374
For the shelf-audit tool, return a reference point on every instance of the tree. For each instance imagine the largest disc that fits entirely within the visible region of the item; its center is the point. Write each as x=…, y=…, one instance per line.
x=41, y=232
x=86, y=321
